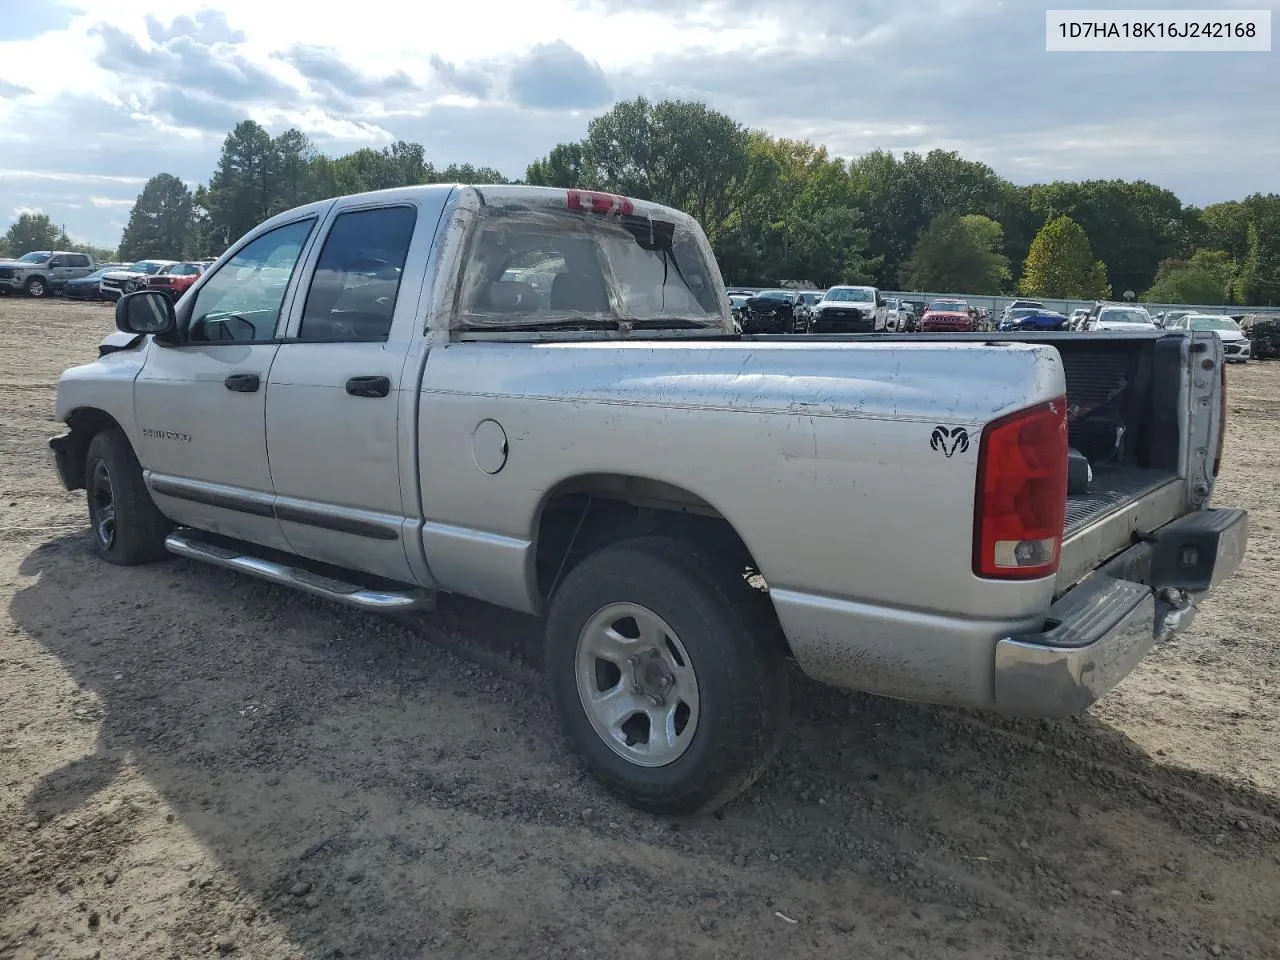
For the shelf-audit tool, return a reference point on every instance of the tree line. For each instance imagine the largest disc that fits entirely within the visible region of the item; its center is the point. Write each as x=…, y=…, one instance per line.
x=782, y=211
x=37, y=231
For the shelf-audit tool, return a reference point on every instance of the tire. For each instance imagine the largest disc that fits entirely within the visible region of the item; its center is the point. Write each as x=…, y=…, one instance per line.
x=128, y=529
x=722, y=652
x=37, y=287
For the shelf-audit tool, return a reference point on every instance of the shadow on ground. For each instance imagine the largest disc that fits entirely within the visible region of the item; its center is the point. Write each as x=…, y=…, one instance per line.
x=412, y=779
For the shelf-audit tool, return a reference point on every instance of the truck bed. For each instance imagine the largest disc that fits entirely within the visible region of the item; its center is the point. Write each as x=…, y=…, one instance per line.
x=1123, y=415
x=1112, y=489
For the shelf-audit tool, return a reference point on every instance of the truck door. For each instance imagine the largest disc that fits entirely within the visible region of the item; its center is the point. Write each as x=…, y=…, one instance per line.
x=201, y=406
x=338, y=433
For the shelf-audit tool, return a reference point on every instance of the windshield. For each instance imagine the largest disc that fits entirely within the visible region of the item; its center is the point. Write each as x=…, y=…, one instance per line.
x=949, y=306
x=185, y=269
x=35, y=258
x=532, y=267
x=1213, y=323
x=1123, y=316
x=849, y=296
x=145, y=266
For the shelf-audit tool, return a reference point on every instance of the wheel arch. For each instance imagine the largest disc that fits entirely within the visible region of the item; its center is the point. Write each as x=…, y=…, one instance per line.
x=86, y=423
x=583, y=513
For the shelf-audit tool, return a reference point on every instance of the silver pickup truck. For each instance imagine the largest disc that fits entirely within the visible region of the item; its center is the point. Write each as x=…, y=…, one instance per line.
x=537, y=398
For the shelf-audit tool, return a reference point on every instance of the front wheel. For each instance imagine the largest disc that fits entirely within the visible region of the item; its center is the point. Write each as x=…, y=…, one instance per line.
x=36, y=287
x=128, y=528
x=668, y=674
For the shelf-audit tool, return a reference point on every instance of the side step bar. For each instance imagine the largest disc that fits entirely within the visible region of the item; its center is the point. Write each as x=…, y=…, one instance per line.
x=383, y=601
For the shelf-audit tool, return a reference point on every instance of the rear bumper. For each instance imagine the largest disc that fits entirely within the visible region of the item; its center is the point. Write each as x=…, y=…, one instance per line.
x=1053, y=664
x=1098, y=632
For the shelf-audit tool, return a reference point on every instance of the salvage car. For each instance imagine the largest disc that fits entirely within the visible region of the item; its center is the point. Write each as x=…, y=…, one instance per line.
x=1263, y=332
x=611, y=458
x=176, y=280
x=774, y=311
x=1235, y=344
x=89, y=287
x=947, y=316
x=849, y=309
x=1112, y=316
x=43, y=272
x=116, y=283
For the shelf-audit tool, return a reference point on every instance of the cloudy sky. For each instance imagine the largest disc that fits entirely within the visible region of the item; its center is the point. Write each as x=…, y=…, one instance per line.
x=98, y=95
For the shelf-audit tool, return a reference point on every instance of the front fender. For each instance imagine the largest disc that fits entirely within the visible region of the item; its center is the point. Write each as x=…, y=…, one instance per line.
x=105, y=385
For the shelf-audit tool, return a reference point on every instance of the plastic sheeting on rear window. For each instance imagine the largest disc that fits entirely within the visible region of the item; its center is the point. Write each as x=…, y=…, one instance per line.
x=530, y=266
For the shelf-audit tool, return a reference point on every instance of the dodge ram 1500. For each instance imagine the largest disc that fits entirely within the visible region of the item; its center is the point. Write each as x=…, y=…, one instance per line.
x=538, y=398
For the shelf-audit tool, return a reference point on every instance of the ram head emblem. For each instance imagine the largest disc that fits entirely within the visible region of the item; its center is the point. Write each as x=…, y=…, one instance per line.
x=949, y=441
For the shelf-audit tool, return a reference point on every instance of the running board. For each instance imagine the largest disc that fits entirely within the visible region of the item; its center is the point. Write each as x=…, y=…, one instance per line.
x=366, y=598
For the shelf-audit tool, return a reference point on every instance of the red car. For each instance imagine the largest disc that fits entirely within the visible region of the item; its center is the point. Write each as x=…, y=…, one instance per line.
x=947, y=316
x=177, y=279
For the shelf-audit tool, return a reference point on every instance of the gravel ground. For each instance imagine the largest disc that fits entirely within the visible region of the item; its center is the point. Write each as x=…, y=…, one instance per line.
x=196, y=764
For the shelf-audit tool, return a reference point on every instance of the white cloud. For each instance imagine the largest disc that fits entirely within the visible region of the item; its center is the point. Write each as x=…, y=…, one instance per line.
x=64, y=177
x=155, y=85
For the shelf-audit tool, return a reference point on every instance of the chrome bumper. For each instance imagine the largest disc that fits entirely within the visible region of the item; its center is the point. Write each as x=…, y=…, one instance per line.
x=1097, y=632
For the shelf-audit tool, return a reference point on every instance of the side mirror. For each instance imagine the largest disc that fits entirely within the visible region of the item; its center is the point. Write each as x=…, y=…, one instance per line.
x=145, y=311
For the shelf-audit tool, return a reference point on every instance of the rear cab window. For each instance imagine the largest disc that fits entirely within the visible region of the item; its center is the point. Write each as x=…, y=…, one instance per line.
x=530, y=265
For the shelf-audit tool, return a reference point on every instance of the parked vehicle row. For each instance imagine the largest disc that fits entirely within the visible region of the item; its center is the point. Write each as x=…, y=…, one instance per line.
x=44, y=273
x=171, y=277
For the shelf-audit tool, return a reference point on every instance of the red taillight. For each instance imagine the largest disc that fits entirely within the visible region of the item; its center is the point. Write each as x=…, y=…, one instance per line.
x=605, y=203
x=1021, y=502
x=1222, y=422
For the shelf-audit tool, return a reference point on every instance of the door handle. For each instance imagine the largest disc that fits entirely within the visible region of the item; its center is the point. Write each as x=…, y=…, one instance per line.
x=242, y=382
x=369, y=386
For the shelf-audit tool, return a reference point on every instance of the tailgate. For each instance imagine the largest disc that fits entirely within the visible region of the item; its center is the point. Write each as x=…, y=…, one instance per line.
x=1148, y=420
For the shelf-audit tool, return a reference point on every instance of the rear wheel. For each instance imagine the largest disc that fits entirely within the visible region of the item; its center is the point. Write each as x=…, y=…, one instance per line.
x=667, y=673
x=36, y=287
x=128, y=528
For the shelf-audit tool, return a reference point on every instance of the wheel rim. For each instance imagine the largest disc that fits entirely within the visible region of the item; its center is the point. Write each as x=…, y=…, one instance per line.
x=637, y=685
x=102, y=506
x=36, y=288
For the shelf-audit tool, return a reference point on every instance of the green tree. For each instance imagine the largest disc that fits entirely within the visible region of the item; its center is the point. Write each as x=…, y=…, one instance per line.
x=683, y=154
x=562, y=167
x=1060, y=264
x=1134, y=225
x=1225, y=226
x=1259, y=284
x=294, y=155
x=34, y=231
x=958, y=254
x=1207, y=277
x=161, y=221
x=245, y=188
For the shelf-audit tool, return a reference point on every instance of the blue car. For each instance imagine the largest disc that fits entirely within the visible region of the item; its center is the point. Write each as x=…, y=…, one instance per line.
x=1027, y=318
x=86, y=288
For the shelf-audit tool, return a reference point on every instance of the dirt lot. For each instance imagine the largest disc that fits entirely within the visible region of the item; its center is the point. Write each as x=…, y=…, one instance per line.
x=193, y=763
